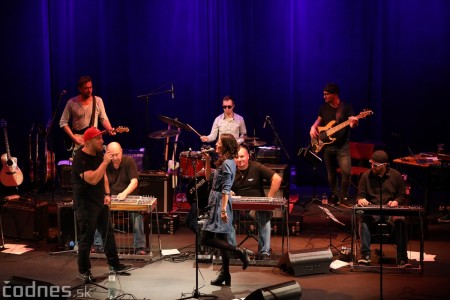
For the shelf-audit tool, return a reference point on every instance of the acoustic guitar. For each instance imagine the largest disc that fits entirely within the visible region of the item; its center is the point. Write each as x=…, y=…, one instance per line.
x=326, y=132
x=10, y=175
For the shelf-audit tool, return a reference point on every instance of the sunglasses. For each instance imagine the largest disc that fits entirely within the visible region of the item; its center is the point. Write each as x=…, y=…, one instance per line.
x=227, y=106
x=377, y=165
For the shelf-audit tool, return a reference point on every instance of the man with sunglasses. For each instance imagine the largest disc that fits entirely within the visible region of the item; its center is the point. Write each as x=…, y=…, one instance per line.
x=228, y=122
x=393, y=192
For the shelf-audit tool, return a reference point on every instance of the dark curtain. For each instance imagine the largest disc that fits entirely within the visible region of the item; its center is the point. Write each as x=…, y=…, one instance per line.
x=273, y=56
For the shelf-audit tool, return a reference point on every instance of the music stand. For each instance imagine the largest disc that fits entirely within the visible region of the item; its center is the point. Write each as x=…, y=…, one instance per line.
x=196, y=294
x=330, y=218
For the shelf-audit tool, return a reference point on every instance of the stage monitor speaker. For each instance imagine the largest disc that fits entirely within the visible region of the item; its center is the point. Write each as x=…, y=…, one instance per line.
x=157, y=184
x=306, y=262
x=289, y=290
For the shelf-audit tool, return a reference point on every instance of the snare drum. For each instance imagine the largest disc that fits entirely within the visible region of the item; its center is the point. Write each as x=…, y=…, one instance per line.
x=189, y=159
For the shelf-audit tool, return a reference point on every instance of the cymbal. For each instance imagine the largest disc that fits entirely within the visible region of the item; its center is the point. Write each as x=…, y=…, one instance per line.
x=255, y=143
x=160, y=134
x=249, y=138
x=174, y=122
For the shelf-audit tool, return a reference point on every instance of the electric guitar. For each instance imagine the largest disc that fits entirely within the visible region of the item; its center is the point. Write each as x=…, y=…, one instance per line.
x=326, y=132
x=72, y=146
x=10, y=174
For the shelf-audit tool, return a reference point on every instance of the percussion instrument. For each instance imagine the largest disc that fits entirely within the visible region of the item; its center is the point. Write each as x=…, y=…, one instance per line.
x=189, y=159
x=174, y=122
x=161, y=134
x=255, y=143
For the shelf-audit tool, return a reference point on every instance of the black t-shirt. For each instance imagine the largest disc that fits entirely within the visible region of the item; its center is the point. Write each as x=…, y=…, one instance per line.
x=85, y=194
x=250, y=182
x=328, y=114
x=120, y=178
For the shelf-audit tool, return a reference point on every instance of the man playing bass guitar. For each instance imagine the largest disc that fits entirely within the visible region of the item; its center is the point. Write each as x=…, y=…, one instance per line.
x=336, y=153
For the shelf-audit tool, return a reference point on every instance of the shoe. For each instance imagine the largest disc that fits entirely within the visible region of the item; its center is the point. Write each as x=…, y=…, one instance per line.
x=344, y=203
x=224, y=276
x=97, y=249
x=364, y=260
x=120, y=267
x=141, y=251
x=243, y=256
x=444, y=219
x=404, y=263
x=334, y=200
x=265, y=256
x=86, y=277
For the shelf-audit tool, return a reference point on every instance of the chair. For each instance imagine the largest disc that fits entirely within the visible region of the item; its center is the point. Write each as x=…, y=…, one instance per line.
x=360, y=154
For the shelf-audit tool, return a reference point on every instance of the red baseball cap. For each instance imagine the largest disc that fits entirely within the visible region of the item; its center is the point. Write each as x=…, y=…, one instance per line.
x=91, y=133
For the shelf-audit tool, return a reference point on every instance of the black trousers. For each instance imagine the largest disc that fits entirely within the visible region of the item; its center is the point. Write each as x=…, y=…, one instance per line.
x=89, y=218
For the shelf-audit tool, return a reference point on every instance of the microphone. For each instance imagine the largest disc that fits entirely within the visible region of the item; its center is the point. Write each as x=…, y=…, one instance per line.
x=63, y=92
x=173, y=92
x=265, y=121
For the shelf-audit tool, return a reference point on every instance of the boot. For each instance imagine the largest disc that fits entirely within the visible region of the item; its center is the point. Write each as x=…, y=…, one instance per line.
x=223, y=276
x=243, y=256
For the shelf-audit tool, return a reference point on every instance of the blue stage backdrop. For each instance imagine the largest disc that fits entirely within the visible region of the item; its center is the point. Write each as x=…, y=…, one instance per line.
x=273, y=56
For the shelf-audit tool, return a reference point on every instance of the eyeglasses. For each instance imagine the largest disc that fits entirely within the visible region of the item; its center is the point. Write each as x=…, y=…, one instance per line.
x=227, y=106
x=376, y=165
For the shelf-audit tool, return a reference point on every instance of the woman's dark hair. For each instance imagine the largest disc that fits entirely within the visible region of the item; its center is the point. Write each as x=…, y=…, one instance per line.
x=230, y=148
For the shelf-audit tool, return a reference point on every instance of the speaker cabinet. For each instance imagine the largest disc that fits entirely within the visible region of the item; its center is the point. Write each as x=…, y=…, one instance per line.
x=25, y=219
x=306, y=262
x=157, y=184
x=137, y=155
x=289, y=290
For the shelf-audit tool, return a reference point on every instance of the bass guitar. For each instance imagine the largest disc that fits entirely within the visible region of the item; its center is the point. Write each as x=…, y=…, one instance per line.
x=10, y=175
x=71, y=146
x=326, y=132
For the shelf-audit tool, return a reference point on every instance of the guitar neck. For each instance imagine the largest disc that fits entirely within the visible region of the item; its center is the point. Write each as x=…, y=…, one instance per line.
x=8, y=153
x=338, y=127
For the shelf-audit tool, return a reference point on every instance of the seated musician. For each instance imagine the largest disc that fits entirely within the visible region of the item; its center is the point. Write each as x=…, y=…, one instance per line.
x=123, y=177
x=249, y=182
x=393, y=195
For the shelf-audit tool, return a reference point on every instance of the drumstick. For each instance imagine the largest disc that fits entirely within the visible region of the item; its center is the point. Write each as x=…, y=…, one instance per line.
x=194, y=130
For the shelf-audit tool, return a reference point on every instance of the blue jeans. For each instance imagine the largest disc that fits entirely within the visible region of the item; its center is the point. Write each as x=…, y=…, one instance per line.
x=338, y=157
x=366, y=223
x=137, y=220
x=263, y=220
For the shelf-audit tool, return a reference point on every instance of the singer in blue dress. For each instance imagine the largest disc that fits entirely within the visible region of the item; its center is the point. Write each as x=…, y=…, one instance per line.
x=216, y=228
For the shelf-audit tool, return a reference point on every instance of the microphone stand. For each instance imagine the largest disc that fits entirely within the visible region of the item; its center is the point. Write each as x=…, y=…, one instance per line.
x=146, y=98
x=381, y=238
x=196, y=294
x=277, y=137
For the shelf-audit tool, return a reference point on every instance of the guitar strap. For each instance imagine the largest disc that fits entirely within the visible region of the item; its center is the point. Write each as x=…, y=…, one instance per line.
x=339, y=111
x=91, y=123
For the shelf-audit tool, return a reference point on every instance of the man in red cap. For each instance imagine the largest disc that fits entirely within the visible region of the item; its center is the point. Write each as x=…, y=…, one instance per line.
x=91, y=205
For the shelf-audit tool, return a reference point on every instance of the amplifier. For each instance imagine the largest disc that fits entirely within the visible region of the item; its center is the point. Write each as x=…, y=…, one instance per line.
x=306, y=262
x=167, y=224
x=157, y=184
x=283, y=171
x=25, y=220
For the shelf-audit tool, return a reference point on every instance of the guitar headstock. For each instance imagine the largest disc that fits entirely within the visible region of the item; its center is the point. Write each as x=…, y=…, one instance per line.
x=121, y=129
x=365, y=113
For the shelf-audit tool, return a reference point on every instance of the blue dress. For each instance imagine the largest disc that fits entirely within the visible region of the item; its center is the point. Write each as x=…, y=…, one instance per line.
x=222, y=181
